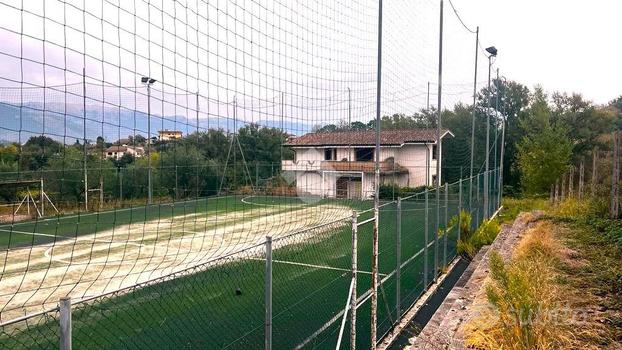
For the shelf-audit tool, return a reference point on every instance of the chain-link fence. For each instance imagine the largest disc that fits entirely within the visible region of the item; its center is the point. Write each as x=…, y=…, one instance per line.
x=292, y=291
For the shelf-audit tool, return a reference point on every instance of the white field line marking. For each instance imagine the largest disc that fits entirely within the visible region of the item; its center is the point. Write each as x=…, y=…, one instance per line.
x=32, y=233
x=140, y=207
x=314, y=266
x=65, y=240
x=244, y=200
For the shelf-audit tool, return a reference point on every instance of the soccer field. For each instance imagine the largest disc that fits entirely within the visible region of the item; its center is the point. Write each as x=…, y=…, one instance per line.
x=198, y=254
x=92, y=254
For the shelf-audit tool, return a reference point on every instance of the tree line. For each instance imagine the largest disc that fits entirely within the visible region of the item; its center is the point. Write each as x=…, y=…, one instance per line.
x=544, y=135
x=199, y=164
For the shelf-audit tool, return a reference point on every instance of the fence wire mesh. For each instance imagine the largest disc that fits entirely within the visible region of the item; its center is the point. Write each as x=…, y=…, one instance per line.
x=148, y=148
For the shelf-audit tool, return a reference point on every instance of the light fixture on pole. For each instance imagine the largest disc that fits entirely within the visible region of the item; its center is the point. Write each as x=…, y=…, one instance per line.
x=492, y=52
x=148, y=81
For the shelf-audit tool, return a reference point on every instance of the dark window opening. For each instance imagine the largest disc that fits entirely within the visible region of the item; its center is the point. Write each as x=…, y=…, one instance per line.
x=330, y=154
x=364, y=154
x=434, y=148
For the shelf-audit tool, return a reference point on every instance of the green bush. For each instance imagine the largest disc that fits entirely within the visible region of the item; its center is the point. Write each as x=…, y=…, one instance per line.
x=471, y=242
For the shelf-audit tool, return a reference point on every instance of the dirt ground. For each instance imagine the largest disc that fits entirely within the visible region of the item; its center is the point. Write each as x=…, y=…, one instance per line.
x=34, y=278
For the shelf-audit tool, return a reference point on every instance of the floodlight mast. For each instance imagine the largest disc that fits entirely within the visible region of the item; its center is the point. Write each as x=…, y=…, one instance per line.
x=492, y=51
x=148, y=81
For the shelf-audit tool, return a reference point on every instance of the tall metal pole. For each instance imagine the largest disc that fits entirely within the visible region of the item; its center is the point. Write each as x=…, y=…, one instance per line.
x=427, y=106
x=486, y=175
x=495, y=164
x=196, y=181
x=473, y=119
x=439, y=143
x=149, y=185
x=502, y=157
x=459, y=208
x=398, y=258
x=86, y=176
x=354, y=271
x=445, y=221
x=349, y=123
x=282, y=113
x=268, y=295
x=426, y=241
x=374, y=263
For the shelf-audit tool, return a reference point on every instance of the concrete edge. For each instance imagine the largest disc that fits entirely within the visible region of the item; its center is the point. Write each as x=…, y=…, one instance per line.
x=441, y=332
x=423, y=299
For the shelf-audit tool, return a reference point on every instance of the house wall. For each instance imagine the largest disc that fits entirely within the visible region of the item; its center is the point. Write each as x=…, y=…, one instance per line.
x=309, y=183
x=412, y=157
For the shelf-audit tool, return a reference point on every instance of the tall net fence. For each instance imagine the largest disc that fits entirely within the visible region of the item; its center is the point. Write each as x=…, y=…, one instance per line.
x=202, y=174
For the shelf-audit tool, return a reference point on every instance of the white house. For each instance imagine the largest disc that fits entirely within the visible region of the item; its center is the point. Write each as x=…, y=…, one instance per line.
x=168, y=135
x=341, y=164
x=117, y=152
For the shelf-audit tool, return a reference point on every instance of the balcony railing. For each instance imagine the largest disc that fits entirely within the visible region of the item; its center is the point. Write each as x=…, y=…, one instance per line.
x=334, y=165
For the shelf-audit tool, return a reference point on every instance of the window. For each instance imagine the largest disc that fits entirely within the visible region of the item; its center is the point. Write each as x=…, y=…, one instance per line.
x=434, y=148
x=364, y=154
x=330, y=154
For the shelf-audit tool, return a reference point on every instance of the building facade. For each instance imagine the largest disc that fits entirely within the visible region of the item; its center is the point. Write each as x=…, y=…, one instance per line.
x=341, y=164
x=117, y=152
x=167, y=135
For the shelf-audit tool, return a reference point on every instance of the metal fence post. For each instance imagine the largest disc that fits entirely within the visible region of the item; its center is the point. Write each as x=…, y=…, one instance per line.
x=459, y=208
x=571, y=182
x=445, y=225
x=581, y=178
x=354, y=271
x=552, y=194
x=268, y=294
x=477, y=200
x=65, y=323
x=425, y=245
x=398, y=257
x=615, y=178
x=594, y=173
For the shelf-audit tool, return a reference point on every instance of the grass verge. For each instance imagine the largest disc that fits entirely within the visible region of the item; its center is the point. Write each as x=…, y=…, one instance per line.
x=562, y=287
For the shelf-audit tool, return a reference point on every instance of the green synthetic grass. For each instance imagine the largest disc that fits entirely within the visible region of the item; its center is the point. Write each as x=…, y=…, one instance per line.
x=50, y=229
x=202, y=310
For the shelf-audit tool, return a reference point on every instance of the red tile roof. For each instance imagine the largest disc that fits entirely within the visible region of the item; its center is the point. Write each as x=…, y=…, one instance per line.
x=367, y=137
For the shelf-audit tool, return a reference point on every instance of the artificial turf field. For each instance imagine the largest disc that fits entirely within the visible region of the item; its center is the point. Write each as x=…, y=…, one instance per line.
x=311, y=278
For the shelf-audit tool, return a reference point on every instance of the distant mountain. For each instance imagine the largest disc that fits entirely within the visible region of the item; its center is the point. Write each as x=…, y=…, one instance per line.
x=65, y=123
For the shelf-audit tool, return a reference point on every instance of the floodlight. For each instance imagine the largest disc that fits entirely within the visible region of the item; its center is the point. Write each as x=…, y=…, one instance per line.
x=492, y=51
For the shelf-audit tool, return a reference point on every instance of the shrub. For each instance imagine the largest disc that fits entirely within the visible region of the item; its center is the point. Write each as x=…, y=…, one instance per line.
x=471, y=242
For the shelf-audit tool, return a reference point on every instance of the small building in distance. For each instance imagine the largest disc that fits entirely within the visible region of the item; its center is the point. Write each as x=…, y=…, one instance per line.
x=117, y=152
x=167, y=135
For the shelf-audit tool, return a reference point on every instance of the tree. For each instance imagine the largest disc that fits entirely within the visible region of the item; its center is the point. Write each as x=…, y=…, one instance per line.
x=544, y=151
x=584, y=121
x=37, y=152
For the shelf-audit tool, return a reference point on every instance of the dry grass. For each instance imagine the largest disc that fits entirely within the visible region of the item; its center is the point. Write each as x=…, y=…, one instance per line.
x=528, y=305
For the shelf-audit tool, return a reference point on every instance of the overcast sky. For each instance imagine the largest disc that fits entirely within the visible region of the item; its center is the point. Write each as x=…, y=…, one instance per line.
x=566, y=45
x=307, y=54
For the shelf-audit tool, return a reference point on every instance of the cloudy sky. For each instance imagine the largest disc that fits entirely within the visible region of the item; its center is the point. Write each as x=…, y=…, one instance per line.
x=566, y=45
x=299, y=63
